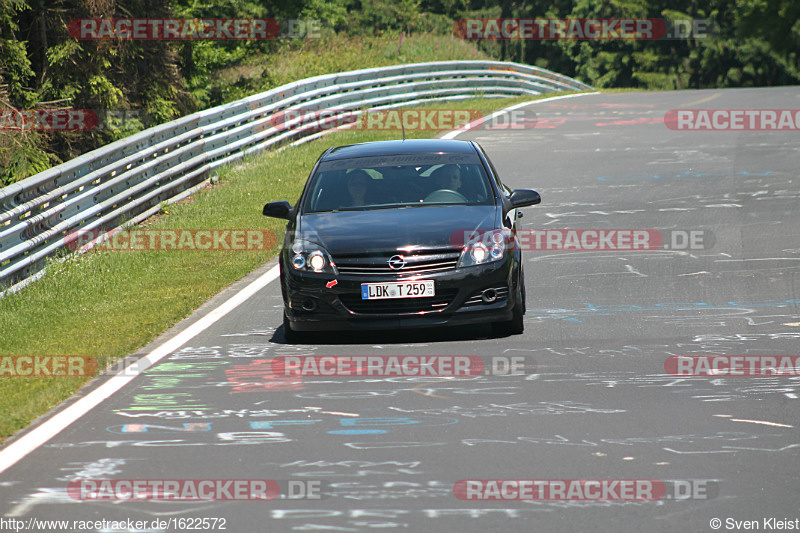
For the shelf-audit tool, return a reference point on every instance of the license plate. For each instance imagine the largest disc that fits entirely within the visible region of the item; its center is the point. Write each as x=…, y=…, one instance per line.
x=404, y=289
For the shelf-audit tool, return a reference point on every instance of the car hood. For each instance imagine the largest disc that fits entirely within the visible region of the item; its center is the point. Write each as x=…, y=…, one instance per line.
x=346, y=232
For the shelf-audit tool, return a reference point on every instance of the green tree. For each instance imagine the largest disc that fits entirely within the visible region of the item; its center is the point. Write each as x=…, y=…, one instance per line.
x=775, y=21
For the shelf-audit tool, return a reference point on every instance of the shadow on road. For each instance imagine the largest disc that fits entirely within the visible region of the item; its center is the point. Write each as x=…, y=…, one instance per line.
x=424, y=335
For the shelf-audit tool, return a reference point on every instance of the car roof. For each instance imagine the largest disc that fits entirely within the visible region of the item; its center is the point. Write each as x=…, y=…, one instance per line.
x=411, y=146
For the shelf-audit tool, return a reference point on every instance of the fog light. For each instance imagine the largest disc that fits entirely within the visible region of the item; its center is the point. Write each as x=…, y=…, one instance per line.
x=489, y=296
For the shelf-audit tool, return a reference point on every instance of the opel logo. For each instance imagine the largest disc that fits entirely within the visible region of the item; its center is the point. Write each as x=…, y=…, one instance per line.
x=396, y=262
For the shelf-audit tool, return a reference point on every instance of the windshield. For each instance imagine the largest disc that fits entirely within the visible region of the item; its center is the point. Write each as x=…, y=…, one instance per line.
x=381, y=183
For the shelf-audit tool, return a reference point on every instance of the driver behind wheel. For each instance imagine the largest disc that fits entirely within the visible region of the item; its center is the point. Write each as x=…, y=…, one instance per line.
x=448, y=177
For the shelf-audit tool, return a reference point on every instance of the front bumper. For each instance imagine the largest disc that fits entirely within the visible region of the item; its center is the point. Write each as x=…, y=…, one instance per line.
x=314, y=303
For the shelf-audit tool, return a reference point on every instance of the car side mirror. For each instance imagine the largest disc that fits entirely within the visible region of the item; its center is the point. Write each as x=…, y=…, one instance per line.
x=280, y=209
x=524, y=197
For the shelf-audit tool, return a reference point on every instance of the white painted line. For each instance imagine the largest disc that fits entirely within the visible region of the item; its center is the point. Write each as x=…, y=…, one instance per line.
x=477, y=122
x=18, y=449
x=632, y=270
x=761, y=422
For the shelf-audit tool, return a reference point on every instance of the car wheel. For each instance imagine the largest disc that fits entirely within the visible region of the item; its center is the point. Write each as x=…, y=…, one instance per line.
x=290, y=334
x=516, y=325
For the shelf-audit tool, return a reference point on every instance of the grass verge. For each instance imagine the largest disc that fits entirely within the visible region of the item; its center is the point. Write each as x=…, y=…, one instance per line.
x=300, y=59
x=107, y=304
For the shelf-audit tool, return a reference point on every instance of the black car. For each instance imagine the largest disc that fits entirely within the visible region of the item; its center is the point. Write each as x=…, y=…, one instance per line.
x=396, y=234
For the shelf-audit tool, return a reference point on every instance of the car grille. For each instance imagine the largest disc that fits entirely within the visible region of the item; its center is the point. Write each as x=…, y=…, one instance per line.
x=354, y=303
x=416, y=263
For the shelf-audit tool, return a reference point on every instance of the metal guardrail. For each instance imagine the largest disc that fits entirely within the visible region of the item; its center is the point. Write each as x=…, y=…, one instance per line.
x=125, y=182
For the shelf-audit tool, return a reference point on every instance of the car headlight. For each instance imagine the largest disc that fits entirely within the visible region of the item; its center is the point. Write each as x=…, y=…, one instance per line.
x=311, y=257
x=489, y=248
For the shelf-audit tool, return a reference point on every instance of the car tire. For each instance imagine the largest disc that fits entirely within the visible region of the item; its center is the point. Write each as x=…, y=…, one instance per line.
x=291, y=335
x=516, y=325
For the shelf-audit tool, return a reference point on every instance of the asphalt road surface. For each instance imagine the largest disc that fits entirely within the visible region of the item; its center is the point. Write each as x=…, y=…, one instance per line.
x=590, y=398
